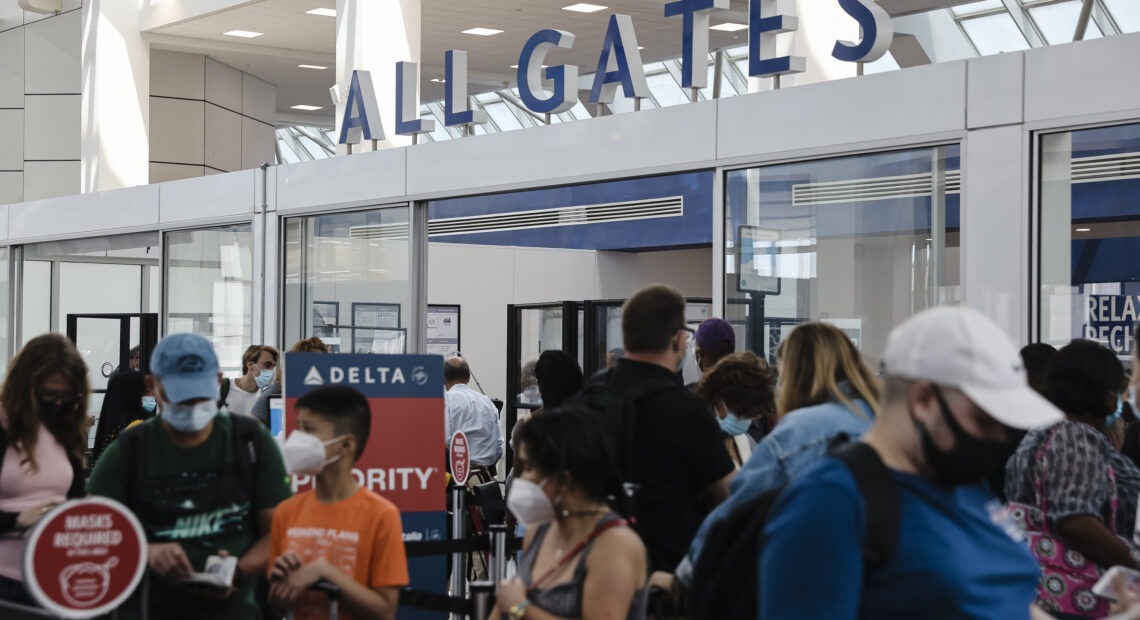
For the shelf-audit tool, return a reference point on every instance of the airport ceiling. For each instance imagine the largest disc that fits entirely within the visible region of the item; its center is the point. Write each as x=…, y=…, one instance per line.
x=291, y=36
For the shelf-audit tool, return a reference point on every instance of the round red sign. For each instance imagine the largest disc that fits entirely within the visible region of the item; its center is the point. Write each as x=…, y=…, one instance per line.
x=460, y=458
x=85, y=558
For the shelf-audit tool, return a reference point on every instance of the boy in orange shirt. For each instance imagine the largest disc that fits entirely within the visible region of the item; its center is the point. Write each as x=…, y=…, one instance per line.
x=338, y=532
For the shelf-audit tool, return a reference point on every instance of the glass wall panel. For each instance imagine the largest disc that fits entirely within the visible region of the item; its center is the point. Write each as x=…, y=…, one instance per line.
x=853, y=240
x=209, y=289
x=346, y=280
x=5, y=315
x=1090, y=237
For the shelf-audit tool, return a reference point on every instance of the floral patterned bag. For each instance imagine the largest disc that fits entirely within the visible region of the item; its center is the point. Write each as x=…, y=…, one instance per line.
x=1067, y=577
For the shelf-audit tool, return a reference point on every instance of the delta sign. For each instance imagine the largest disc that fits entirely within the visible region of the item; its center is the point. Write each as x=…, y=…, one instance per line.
x=619, y=64
x=404, y=457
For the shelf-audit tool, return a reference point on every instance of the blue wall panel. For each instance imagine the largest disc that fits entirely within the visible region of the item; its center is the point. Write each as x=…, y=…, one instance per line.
x=693, y=229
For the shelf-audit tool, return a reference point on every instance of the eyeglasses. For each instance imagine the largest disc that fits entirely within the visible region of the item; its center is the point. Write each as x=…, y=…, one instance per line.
x=56, y=396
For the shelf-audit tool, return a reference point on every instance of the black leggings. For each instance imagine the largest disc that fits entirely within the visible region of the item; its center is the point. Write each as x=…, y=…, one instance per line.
x=13, y=591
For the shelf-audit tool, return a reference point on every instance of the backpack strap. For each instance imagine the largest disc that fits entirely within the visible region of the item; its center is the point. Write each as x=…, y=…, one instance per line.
x=224, y=393
x=881, y=498
x=627, y=415
x=246, y=454
x=134, y=441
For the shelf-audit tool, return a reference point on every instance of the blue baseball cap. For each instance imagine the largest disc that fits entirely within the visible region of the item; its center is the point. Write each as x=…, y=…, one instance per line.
x=187, y=366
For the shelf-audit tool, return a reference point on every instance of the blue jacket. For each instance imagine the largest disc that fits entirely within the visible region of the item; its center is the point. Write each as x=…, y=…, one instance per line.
x=797, y=442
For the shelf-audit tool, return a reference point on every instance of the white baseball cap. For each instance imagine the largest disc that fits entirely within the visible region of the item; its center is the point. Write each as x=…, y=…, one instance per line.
x=962, y=348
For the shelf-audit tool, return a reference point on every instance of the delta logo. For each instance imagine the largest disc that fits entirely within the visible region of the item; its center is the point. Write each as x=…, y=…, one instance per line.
x=355, y=375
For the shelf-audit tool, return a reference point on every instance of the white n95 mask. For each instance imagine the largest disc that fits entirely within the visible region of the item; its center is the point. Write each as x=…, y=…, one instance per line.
x=304, y=453
x=529, y=503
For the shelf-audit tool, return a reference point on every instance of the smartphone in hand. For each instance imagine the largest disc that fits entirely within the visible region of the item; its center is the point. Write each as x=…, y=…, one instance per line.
x=1104, y=587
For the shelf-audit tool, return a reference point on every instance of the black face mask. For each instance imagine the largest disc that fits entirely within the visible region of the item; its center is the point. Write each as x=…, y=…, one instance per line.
x=50, y=410
x=971, y=460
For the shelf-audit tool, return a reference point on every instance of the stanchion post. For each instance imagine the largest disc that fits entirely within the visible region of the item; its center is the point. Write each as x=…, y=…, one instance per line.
x=458, y=532
x=498, y=569
x=483, y=596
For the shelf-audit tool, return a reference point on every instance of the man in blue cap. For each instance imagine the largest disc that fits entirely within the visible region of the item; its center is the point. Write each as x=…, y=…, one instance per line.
x=202, y=483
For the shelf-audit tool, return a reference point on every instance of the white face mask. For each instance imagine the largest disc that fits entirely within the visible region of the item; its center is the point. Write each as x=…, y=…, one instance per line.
x=189, y=418
x=304, y=453
x=529, y=503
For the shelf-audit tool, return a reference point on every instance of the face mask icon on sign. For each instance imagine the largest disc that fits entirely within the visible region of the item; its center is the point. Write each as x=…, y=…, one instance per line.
x=85, y=584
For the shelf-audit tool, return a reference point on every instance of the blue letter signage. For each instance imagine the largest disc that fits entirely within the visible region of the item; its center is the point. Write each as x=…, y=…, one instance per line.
x=877, y=32
x=694, y=37
x=361, y=114
x=762, y=31
x=620, y=63
x=408, y=121
x=564, y=77
x=456, y=109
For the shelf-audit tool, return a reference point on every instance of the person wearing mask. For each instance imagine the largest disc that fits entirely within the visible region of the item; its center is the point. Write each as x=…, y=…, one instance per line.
x=1131, y=444
x=675, y=453
x=824, y=390
x=338, y=532
x=528, y=386
x=1070, y=475
x=470, y=412
x=201, y=482
x=613, y=355
x=128, y=399
x=43, y=429
x=954, y=383
x=715, y=339
x=579, y=559
x=1036, y=358
x=258, y=363
x=739, y=389
x=260, y=409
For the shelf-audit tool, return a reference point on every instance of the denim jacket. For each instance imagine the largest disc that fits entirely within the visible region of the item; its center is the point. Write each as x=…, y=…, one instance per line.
x=798, y=441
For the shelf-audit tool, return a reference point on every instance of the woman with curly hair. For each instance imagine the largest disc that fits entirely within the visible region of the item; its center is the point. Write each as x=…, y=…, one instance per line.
x=740, y=389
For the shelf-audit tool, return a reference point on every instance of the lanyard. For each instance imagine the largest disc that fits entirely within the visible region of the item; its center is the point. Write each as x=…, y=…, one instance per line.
x=597, y=531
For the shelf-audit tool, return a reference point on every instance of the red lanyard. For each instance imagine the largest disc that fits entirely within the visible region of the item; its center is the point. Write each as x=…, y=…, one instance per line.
x=597, y=531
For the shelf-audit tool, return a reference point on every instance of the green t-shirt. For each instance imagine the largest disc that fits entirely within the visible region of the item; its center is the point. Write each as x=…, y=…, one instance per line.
x=196, y=497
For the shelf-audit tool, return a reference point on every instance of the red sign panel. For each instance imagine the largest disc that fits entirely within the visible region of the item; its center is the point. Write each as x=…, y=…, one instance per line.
x=460, y=458
x=85, y=558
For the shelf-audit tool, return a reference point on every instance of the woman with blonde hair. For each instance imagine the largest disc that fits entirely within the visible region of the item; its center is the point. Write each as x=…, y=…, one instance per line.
x=43, y=431
x=824, y=390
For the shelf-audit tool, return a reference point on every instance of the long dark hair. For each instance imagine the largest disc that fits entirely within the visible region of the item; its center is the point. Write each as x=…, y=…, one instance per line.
x=559, y=377
x=572, y=440
x=42, y=357
x=122, y=404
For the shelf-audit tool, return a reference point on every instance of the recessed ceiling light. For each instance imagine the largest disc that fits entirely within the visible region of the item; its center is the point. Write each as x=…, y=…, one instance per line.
x=311, y=67
x=729, y=27
x=245, y=34
x=323, y=12
x=307, y=108
x=482, y=32
x=516, y=66
x=439, y=80
x=582, y=7
x=640, y=47
x=1083, y=229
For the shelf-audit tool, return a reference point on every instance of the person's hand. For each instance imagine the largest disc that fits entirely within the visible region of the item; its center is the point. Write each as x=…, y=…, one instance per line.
x=32, y=516
x=169, y=561
x=1127, y=605
x=284, y=565
x=510, y=593
x=661, y=579
x=286, y=591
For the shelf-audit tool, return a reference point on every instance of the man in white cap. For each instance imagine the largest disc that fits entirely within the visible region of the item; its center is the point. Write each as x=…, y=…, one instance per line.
x=954, y=384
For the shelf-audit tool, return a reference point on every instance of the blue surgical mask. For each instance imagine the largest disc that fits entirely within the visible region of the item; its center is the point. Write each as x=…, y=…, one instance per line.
x=189, y=418
x=149, y=403
x=1111, y=418
x=264, y=378
x=732, y=425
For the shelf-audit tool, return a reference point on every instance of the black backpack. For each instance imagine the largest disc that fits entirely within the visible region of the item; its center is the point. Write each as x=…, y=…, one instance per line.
x=620, y=413
x=245, y=444
x=727, y=571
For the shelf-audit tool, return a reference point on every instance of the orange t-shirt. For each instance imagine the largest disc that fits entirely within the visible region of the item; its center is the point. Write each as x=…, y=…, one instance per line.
x=361, y=536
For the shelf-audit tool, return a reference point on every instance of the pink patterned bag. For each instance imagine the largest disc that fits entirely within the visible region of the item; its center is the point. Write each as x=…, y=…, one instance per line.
x=1067, y=577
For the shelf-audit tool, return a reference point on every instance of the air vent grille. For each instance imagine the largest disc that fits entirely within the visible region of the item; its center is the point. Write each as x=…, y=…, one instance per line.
x=882, y=188
x=1106, y=168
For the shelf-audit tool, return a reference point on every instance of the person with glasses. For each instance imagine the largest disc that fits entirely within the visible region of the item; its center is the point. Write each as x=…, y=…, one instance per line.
x=669, y=448
x=43, y=428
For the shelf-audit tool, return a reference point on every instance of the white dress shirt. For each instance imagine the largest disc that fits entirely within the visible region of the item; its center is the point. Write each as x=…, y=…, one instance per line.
x=475, y=415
